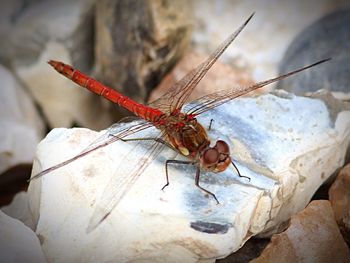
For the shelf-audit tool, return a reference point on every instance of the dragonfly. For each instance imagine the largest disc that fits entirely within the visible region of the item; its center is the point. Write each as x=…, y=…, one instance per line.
x=179, y=130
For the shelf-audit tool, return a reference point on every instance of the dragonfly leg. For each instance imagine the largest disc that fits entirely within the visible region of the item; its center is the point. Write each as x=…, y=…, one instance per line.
x=198, y=172
x=150, y=139
x=239, y=174
x=211, y=121
x=173, y=162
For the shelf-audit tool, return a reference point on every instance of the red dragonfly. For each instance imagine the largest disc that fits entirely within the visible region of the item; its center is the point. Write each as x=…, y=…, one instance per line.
x=178, y=130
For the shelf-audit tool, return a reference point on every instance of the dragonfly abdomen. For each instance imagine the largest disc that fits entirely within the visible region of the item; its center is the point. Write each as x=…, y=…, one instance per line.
x=140, y=110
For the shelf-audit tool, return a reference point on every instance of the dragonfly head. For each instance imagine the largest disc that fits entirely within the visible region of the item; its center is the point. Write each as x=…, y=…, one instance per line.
x=217, y=158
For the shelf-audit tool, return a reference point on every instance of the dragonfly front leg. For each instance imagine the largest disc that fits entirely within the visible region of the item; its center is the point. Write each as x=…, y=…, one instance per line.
x=173, y=162
x=196, y=180
x=211, y=122
x=239, y=174
x=198, y=172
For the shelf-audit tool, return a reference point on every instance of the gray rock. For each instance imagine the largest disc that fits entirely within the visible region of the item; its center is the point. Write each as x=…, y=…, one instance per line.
x=65, y=22
x=261, y=46
x=9, y=14
x=327, y=37
x=61, y=30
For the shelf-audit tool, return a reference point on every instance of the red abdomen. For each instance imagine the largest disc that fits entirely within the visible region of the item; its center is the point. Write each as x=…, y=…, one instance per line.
x=140, y=110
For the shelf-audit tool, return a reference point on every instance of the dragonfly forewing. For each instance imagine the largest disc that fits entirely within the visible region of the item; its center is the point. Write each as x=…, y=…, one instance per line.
x=178, y=94
x=115, y=133
x=124, y=178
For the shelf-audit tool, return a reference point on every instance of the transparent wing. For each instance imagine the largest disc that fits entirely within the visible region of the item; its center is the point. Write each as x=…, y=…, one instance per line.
x=115, y=130
x=113, y=134
x=216, y=99
x=180, y=91
x=121, y=183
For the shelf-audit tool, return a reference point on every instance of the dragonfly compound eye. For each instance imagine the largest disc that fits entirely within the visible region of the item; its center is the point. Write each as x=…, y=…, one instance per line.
x=210, y=156
x=222, y=147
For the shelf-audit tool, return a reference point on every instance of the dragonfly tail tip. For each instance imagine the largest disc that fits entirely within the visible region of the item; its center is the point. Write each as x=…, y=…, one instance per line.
x=52, y=62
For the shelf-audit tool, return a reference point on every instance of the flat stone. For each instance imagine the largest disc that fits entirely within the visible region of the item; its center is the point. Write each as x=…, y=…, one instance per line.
x=339, y=196
x=18, y=243
x=313, y=236
x=21, y=127
x=284, y=143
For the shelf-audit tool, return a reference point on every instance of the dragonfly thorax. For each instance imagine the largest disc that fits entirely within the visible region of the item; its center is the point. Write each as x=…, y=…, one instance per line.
x=185, y=134
x=190, y=139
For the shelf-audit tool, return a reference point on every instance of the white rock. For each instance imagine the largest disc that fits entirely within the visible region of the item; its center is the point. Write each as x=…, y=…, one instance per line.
x=18, y=243
x=21, y=128
x=19, y=209
x=283, y=143
x=59, y=30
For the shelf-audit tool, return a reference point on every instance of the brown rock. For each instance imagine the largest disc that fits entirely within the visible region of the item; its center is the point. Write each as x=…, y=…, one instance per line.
x=138, y=42
x=251, y=249
x=219, y=77
x=339, y=196
x=313, y=236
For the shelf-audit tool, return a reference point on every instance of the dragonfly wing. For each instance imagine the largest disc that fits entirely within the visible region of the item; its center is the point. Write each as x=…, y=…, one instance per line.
x=115, y=133
x=118, y=132
x=120, y=184
x=216, y=99
x=180, y=91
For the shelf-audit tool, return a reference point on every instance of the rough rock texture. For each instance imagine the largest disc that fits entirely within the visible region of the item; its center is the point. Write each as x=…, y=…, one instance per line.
x=18, y=243
x=339, y=196
x=313, y=236
x=137, y=42
x=61, y=30
x=21, y=128
x=327, y=37
x=287, y=145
